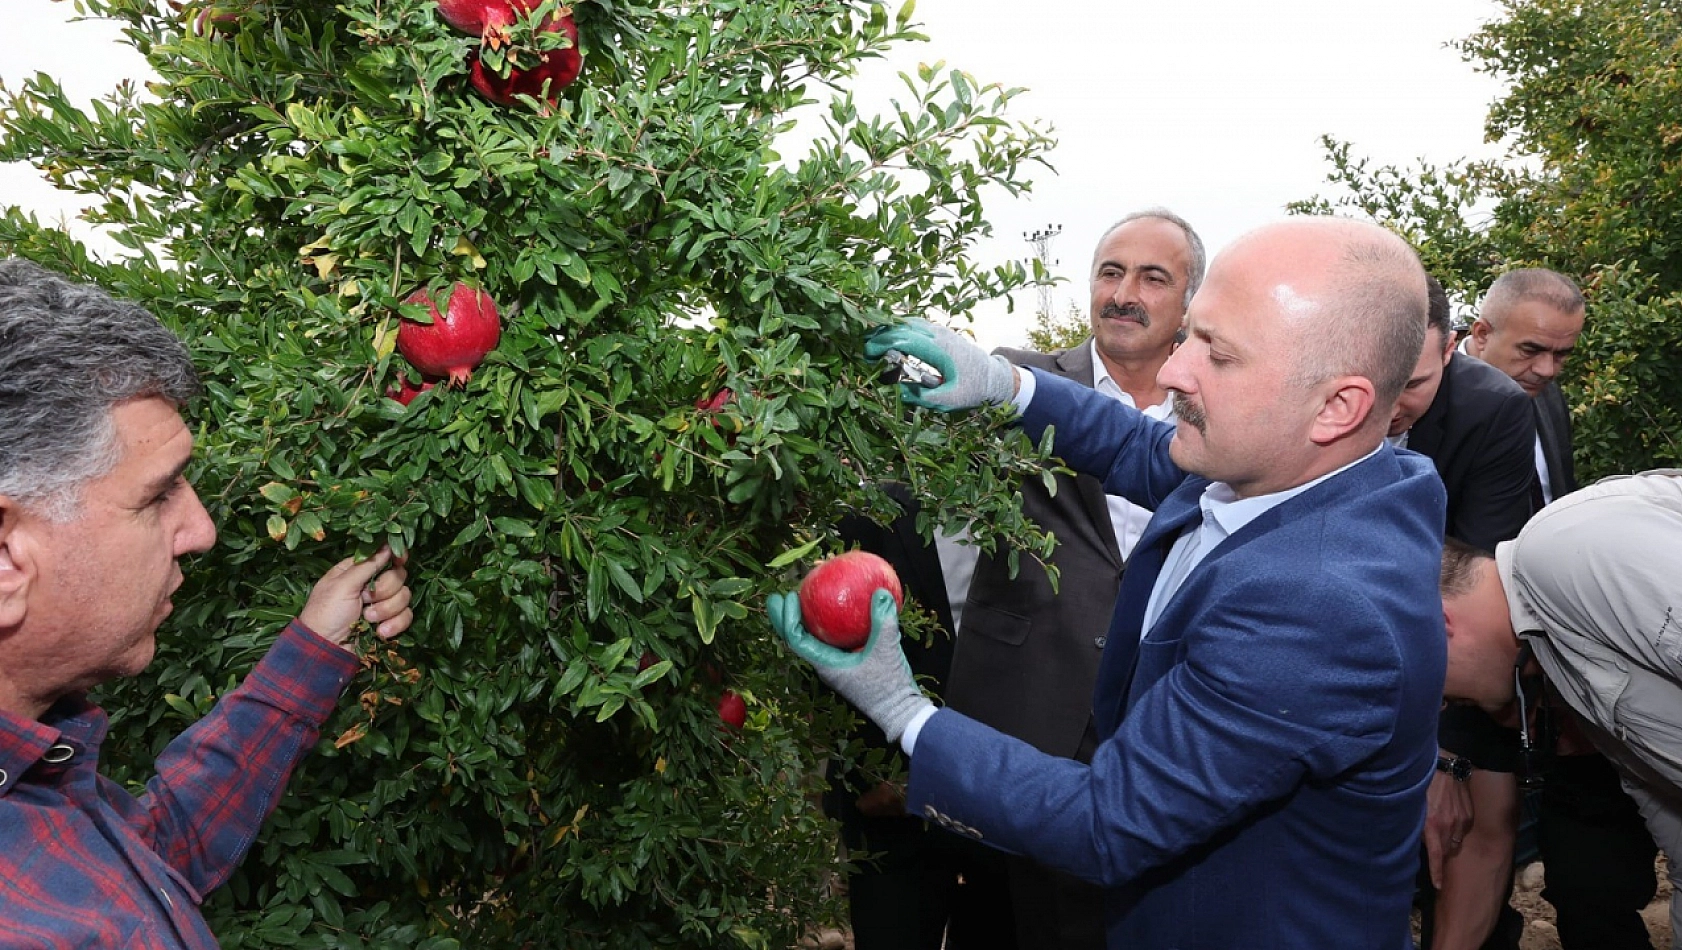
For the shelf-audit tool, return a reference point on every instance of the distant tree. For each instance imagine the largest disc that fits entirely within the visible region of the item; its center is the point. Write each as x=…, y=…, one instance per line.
x=1591, y=186
x=1056, y=332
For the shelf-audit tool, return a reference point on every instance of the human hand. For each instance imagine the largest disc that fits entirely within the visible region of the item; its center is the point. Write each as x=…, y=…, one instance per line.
x=353, y=590
x=876, y=679
x=1448, y=817
x=970, y=377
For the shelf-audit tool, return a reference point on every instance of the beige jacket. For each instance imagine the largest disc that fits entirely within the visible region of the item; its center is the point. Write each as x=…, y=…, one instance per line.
x=1594, y=582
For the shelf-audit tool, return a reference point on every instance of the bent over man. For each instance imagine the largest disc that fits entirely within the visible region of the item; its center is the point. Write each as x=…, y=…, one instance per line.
x=1591, y=588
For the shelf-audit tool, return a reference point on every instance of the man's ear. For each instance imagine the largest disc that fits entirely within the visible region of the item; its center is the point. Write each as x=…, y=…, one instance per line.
x=1480, y=332
x=1348, y=403
x=16, y=572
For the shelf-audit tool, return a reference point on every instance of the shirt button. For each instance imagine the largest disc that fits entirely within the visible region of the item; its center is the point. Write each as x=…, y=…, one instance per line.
x=4, y=778
x=165, y=895
x=1100, y=641
x=61, y=752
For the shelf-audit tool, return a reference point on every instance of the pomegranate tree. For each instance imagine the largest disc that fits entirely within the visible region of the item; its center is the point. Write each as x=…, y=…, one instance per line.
x=516, y=775
x=456, y=341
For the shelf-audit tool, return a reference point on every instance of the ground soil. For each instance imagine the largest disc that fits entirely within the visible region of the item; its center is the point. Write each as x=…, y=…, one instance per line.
x=1539, y=932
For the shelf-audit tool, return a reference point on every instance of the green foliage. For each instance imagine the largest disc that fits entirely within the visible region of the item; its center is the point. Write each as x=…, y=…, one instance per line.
x=511, y=775
x=1592, y=187
x=1052, y=331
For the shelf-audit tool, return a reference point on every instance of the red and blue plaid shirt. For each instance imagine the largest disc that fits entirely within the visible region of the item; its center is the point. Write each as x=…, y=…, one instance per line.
x=86, y=864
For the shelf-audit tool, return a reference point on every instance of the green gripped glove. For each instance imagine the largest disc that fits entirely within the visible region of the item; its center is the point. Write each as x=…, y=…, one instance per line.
x=876, y=679
x=970, y=376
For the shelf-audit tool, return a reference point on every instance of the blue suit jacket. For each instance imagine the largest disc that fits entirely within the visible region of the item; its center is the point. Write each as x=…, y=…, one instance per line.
x=1266, y=749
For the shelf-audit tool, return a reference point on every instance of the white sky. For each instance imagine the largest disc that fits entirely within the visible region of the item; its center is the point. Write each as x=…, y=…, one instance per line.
x=1213, y=108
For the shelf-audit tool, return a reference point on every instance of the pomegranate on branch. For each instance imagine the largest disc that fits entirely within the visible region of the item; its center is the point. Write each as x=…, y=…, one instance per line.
x=456, y=341
x=491, y=20
x=556, y=68
x=406, y=390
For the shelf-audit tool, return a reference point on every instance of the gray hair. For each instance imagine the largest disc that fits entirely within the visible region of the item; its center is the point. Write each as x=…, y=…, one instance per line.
x=69, y=354
x=1199, y=258
x=1375, y=323
x=1526, y=284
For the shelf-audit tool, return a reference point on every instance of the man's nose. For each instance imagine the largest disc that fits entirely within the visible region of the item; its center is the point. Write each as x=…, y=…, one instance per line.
x=198, y=534
x=1173, y=374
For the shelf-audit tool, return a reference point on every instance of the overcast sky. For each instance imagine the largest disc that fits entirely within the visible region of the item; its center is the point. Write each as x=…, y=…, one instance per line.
x=1213, y=108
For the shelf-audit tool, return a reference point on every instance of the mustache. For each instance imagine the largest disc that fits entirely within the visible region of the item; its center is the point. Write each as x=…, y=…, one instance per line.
x=1190, y=413
x=1132, y=311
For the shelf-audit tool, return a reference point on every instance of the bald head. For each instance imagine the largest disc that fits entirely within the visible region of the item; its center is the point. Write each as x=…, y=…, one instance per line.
x=1299, y=342
x=1364, y=302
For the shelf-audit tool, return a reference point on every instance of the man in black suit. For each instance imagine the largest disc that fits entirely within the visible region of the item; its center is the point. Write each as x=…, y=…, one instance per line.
x=1478, y=427
x=1027, y=656
x=920, y=888
x=1595, y=848
x=1527, y=327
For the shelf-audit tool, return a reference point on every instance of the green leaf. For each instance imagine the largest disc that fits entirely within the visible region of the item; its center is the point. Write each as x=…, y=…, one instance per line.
x=789, y=557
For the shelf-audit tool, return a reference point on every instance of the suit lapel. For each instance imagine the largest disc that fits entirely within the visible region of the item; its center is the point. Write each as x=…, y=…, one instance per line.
x=1553, y=425
x=1076, y=363
x=1426, y=435
x=1121, y=649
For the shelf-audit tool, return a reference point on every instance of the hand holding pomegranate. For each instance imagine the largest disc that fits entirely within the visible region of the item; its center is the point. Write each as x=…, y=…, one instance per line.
x=876, y=680
x=353, y=590
x=835, y=597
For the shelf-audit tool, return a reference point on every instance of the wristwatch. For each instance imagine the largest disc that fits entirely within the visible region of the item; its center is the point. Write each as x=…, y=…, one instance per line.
x=1458, y=767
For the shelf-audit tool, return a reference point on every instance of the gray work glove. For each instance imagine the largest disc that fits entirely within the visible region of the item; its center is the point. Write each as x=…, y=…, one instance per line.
x=875, y=679
x=970, y=377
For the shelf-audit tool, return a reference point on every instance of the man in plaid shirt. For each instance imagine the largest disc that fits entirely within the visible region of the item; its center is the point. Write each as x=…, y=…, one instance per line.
x=94, y=513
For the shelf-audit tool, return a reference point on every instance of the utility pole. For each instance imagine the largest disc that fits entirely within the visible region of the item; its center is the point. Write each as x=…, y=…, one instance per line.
x=1040, y=241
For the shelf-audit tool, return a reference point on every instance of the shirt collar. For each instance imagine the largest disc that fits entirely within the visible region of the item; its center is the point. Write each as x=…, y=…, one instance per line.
x=1162, y=411
x=1229, y=514
x=1524, y=619
x=24, y=742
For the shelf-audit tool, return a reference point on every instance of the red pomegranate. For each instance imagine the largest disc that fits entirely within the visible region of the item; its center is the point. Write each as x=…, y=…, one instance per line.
x=835, y=597
x=406, y=390
x=454, y=343
x=557, y=68
x=716, y=402
x=484, y=18
x=732, y=709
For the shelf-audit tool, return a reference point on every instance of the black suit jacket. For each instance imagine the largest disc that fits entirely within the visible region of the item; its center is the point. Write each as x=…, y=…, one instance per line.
x=1480, y=430
x=1027, y=658
x=1553, y=423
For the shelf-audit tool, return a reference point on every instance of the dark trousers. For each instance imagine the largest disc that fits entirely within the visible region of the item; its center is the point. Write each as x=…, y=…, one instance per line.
x=1053, y=910
x=1598, y=856
x=915, y=886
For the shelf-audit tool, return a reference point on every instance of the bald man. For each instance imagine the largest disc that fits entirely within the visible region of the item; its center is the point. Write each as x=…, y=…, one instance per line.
x=1266, y=705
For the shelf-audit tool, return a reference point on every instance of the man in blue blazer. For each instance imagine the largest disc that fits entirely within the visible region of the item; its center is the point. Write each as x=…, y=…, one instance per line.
x=1268, y=695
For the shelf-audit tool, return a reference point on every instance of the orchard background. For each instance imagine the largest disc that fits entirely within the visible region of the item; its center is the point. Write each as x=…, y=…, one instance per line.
x=675, y=416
